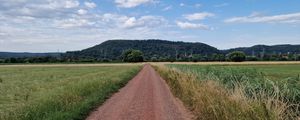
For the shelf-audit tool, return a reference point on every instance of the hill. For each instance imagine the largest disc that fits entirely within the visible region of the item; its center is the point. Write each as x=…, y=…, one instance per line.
x=275, y=49
x=163, y=50
x=112, y=49
x=25, y=54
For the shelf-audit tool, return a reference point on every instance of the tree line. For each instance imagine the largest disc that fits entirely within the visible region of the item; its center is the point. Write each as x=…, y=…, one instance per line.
x=132, y=55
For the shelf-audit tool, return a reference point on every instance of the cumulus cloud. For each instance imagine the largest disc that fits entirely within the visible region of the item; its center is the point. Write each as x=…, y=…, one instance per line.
x=90, y=4
x=131, y=3
x=198, y=16
x=72, y=22
x=258, y=18
x=53, y=13
x=50, y=24
x=188, y=25
x=193, y=17
x=71, y=4
x=82, y=11
x=127, y=22
x=38, y=9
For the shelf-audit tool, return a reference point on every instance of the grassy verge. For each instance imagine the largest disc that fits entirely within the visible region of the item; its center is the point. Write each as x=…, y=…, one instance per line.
x=58, y=93
x=211, y=99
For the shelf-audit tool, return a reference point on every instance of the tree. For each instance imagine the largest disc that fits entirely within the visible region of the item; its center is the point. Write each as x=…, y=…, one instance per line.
x=132, y=55
x=297, y=57
x=196, y=58
x=2, y=60
x=236, y=56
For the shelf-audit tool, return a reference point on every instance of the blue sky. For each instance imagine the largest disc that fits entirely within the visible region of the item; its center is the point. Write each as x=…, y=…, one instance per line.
x=66, y=25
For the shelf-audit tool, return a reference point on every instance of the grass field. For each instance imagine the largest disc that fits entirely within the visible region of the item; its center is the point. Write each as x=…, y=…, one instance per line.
x=238, y=90
x=58, y=92
x=274, y=72
x=254, y=77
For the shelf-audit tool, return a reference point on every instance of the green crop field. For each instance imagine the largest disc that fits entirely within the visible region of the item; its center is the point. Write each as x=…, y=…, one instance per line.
x=58, y=92
x=274, y=71
x=254, y=77
x=254, y=91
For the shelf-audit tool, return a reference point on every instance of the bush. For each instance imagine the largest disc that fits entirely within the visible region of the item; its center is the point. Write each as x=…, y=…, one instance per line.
x=297, y=57
x=132, y=56
x=236, y=56
x=2, y=60
x=105, y=60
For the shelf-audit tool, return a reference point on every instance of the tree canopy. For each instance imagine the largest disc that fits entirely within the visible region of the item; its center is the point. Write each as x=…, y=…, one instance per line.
x=236, y=56
x=132, y=55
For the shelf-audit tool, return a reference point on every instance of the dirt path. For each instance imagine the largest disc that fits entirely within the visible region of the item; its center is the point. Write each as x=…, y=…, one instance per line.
x=145, y=97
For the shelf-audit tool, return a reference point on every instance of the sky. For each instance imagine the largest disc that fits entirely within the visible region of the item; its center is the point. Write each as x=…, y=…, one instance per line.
x=68, y=25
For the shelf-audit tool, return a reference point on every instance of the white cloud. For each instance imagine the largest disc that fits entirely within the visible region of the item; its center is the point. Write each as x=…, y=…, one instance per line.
x=48, y=13
x=188, y=25
x=167, y=8
x=71, y=4
x=42, y=25
x=39, y=9
x=258, y=18
x=122, y=21
x=82, y=11
x=72, y=22
x=90, y=4
x=198, y=16
x=131, y=3
x=131, y=22
x=221, y=5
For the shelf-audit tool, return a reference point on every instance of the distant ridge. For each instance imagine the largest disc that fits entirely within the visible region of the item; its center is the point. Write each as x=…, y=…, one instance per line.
x=112, y=49
x=273, y=49
x=26, y=54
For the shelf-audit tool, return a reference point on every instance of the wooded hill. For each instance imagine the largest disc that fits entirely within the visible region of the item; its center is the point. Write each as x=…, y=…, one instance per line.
x=160, y=50
x=112, y=49
x=276, y=49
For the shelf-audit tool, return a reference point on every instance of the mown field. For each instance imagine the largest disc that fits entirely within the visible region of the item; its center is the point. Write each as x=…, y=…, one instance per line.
x=58, y=92
x=236, y=91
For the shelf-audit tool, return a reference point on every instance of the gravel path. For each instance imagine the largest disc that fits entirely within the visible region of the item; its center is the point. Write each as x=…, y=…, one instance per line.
x=145, y=97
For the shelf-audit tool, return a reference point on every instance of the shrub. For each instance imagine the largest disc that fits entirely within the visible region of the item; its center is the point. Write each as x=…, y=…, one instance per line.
x=236, y=56
x=132, y=56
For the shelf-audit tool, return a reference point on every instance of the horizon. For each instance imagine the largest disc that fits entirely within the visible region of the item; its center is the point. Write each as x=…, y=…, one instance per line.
x=141, y=40
x=70, y=25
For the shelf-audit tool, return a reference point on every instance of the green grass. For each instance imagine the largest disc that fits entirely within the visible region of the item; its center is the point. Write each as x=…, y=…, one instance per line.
x=273, y=90
x=279, y=79
x=276, y=71
x=58, y=93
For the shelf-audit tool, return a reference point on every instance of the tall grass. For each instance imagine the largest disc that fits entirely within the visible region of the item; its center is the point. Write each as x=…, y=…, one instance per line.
x=253, y=80
x=58, y=93
x=211, y=98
